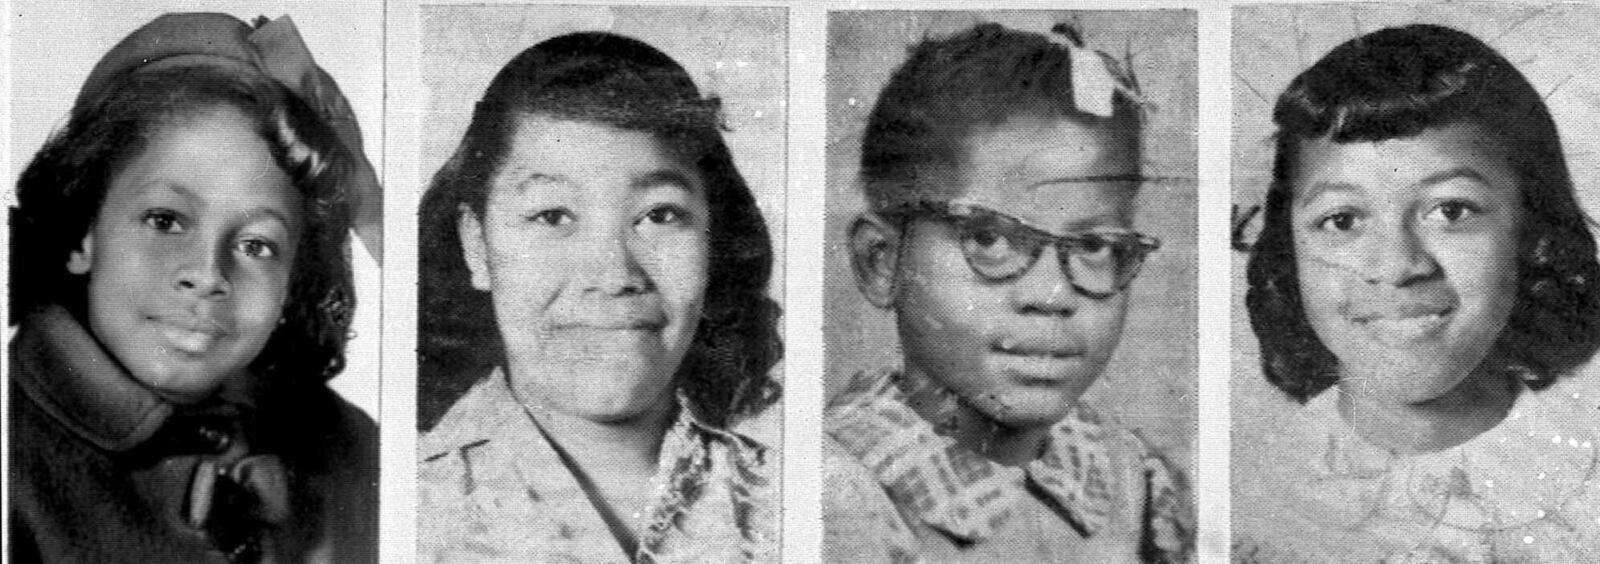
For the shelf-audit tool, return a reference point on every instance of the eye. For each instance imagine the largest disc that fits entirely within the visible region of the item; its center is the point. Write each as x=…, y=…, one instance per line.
x=1096, y=246
x=1341, y=221
x=558, y=217
x=258, y=248
x=164, y=221
x=987, y=243
x=1452, y=211
x=665, y=215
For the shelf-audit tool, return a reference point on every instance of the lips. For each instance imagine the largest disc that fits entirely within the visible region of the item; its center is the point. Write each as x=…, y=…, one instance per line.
x=1400, y=324
x=191, y=335
x=614, y=315
x=1037, y=347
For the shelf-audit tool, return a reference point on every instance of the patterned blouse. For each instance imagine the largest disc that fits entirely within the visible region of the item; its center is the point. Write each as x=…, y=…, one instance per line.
x=491, y=488
x=1526, y=491
x=896, y=491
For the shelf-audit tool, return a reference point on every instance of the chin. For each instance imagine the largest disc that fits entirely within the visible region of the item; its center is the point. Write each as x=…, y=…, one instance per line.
x=1027, y=412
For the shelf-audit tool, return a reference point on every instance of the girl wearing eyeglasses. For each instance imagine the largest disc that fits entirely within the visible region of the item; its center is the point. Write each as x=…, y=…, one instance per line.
x=1000, y=236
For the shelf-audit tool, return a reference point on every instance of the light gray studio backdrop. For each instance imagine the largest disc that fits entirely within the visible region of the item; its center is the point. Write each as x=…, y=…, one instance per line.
x=55, y=44
x=737, y=54
x=1555, y=46
x=1150, y=383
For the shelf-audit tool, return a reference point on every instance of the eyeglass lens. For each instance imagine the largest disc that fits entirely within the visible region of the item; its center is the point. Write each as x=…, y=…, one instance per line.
x=1097, y=264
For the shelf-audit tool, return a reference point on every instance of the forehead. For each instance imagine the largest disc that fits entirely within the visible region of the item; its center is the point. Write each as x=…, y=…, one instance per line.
x=214, y=156
x=1399, y=166
x=576, y=152
x=1040, y=168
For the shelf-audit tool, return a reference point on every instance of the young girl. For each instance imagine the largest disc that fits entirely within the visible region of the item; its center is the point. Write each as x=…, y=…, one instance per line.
x=180, y=282
x=594, y=319
x=1001, y=194
x=1423, y=281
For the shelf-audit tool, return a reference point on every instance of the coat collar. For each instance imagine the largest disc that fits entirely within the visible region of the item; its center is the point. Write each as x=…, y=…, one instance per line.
x=70, y=376
x=957, y=491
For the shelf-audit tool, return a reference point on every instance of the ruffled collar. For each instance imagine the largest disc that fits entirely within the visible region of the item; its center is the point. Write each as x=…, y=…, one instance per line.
x=957, y=491
x=1531, y=467
x=69, y=375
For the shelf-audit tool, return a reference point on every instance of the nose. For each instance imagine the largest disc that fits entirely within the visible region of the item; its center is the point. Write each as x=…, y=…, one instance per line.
x=203, y=272
x=1045, y=288
x=613, y=269
x=1396, y=256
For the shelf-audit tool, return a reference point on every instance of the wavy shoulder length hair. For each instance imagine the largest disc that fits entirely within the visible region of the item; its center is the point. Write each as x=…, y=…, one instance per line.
x=624, y=83
x=1393, y=84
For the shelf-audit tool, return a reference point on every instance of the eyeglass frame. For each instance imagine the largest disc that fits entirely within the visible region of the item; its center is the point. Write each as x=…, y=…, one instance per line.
x=953, y=212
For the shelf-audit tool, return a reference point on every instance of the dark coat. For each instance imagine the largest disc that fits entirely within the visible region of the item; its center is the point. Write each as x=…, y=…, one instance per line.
x=103, y=470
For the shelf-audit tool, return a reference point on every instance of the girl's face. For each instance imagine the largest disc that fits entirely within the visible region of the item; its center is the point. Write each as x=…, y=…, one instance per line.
x=1021, y=349
x=594, y=243
x=190, y=255
x=1407, y=253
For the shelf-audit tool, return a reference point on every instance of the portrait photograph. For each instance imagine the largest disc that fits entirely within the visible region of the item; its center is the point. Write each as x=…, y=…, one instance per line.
x=1415, y=315
x=196, y=240
x=600, y=271
x=1009, y=275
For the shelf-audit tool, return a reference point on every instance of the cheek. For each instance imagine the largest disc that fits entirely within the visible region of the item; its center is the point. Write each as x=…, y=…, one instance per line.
x=940, y=295
x=522, y=270
x=1101, y=321
x=680, y=270
x=1485, y=273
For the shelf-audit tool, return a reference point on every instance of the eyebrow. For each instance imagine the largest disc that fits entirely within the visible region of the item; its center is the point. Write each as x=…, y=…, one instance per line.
x=185, y=192
x=664, y=177
x=1316, y=190
x=1094, y=178
x=1452, y=174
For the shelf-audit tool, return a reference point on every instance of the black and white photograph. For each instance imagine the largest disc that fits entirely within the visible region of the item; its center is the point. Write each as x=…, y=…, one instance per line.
x=600, y=284
x=1415, y=300
x=195, y=236
x=1010, y=271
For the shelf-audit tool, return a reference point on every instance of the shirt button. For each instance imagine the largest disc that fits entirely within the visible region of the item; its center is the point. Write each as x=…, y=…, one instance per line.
x=217, y=439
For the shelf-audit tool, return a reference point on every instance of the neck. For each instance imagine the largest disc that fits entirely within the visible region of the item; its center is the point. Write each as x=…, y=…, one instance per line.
x=629, y=446
x=970, y=427
x=1477, y=404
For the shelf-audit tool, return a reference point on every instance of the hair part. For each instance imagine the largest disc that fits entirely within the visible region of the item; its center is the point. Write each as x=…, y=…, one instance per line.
x=950, y=89
x=60, y=193
x=1394, y=84
x=624, y=83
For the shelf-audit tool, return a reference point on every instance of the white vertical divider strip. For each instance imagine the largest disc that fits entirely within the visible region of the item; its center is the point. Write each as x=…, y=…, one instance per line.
x=1216, y=126
x=9, y=199
x=403, y=186
x=803, y=292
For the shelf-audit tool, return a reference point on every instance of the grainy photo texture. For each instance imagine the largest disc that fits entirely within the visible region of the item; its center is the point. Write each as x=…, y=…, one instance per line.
x=1417, y=308
x=597, y=325
x=1010, y=286
x=182, y=294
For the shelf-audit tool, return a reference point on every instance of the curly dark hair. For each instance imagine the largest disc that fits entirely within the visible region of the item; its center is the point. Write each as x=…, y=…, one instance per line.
x=624, y=83
x=60, y=193
x=1396, y=83
x=950, y=88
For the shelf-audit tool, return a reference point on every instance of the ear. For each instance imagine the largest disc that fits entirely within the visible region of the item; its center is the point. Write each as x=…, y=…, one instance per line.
x=474, y=248
x=79, y=261
x=874, y=252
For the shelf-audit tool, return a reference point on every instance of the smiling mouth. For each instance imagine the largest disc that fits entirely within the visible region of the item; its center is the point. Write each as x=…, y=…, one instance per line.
x=1406, y=327
x=190, y=336
x=612, y=325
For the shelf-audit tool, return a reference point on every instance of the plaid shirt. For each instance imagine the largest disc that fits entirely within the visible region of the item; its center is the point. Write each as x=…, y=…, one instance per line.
x=951, y=503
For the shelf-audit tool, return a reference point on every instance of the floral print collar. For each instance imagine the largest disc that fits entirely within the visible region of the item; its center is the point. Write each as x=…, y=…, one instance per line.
x=494, y=488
